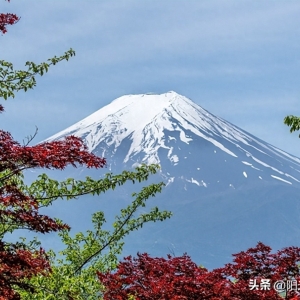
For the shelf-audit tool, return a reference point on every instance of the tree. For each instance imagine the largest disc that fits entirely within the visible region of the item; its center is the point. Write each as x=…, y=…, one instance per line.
x=73, y=276
x=24, y=265
x=20, y=209
x=259, y=263
x=145, y=278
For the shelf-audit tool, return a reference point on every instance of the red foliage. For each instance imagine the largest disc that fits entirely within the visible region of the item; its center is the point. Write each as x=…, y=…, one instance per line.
x=17, y=264
x=16, y=261
x=179, y=278
x=156, y=278
x=17, y=209
x=57, y=154
x=7, y=19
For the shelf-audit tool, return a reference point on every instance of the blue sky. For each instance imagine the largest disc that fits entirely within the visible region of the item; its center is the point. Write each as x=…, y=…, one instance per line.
x=240, y=60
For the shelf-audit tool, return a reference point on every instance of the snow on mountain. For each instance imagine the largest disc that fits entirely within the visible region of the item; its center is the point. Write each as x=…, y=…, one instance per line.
x=139, y=128
x=144, y=117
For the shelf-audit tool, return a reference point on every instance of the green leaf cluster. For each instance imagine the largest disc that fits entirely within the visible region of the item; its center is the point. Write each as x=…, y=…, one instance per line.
x=293, y=122
x=12, y=81
x=74, y=272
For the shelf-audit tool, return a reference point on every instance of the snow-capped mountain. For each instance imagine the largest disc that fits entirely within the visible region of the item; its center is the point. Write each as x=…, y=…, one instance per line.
x=171, y=130
x=227, y=189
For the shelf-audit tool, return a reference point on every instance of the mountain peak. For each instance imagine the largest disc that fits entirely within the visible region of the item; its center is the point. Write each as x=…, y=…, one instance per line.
x=129, y=114
x=150, y=99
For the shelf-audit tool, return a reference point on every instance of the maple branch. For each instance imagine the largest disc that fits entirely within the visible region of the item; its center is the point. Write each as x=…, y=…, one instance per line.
x=113, y=237
x=30, y=137
x=16, y=80
x=7, y=19
x=127, y=215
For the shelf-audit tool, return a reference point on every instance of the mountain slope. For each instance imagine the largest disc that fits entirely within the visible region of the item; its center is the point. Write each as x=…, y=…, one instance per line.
x=227, y=189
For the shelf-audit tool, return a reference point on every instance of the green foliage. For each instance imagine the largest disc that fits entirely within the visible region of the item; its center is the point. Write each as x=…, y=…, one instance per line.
x=15, y=80
x=293, y=122
x=74, y=272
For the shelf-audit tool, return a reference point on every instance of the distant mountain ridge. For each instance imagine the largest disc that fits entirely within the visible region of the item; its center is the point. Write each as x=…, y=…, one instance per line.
x=227, y=188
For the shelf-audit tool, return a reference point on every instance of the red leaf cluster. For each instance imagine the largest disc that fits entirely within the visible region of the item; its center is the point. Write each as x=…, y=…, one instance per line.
x=22, y=211
x=178, y=278
x=15, y=265
x=57, y=154
x=7, y=19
